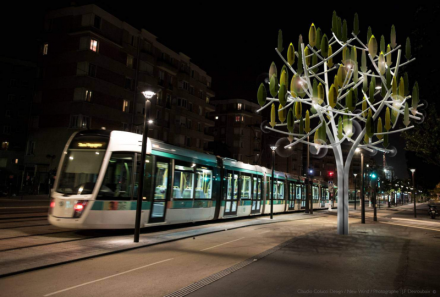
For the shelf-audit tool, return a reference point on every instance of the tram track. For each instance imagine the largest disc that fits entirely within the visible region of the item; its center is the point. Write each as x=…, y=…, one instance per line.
x=31, y=226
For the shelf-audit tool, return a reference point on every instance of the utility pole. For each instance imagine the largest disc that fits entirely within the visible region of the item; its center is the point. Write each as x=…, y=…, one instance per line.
x=307, y=210
x=414, y=192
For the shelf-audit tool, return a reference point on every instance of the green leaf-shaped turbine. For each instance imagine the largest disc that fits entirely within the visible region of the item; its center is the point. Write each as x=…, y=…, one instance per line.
x=273, y=86
x=312, y=35
x=280, y=41
x=291, y=54
x=372, y=47
x=262, y=94
x=282, y=95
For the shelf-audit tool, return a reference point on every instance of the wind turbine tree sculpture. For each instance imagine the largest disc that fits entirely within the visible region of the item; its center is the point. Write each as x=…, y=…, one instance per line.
x=347, y=98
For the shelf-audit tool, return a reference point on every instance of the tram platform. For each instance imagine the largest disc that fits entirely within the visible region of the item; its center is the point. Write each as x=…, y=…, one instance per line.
x=26, y=249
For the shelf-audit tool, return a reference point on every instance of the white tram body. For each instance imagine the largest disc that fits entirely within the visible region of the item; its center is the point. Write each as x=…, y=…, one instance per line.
x=97, y=182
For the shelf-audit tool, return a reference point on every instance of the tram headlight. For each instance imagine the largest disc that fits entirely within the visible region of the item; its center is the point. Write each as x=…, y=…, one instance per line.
x=79, y=208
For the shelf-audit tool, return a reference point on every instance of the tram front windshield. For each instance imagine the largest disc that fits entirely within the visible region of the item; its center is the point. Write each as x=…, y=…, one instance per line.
x=81, y=165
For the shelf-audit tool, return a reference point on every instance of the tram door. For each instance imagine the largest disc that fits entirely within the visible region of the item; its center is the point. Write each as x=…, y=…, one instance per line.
x=291, y=201
x=231, y=193
x=161, y=176
x=257, y=194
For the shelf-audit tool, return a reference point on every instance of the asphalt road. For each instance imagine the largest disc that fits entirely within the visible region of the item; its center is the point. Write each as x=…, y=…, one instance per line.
x=396, y=253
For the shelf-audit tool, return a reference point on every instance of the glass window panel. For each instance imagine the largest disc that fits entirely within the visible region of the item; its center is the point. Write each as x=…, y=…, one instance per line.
x=315, y=192
x=204, y=183
x=259, y=189
x=161, y=181
x=280, y=190
x=158, y=209
x=183, y=187
x=298, y=192
x=235, y=186
x=117, y=182
x=234, y=206
x=245, y=187
x=229, y=186
x=255, y=194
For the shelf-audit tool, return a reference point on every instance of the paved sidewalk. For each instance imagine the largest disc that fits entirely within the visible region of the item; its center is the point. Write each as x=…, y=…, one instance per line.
x=25, y=259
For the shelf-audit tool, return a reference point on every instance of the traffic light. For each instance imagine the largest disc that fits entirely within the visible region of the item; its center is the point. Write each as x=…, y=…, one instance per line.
x=331, y=173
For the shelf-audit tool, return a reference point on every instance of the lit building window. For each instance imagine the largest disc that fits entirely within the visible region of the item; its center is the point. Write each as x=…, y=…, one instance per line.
x=239, y=118
x=5, y=145
x=239, y=106
x=45, y=49
x=88, y=95
x=94, y=45
x=129, y=61
x=126, y=106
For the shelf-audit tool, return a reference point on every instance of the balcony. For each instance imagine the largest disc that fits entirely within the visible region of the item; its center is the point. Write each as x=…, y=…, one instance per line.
x=166, y=66
x=147, y=57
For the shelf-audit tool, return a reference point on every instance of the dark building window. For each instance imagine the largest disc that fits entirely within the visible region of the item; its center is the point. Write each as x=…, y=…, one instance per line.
x=92, y=70
x=97, y=22
x=128, y=83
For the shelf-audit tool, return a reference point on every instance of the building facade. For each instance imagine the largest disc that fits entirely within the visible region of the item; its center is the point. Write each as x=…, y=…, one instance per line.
x=16, y=93
x=94, y=70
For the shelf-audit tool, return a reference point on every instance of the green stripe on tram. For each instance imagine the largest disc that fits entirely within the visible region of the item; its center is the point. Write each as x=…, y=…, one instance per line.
x=181, y=204
x=119, y=205
x=275, y=201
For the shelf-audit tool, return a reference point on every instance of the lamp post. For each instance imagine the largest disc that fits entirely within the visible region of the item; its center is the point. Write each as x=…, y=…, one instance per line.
x=137, y=230
x=413, y=170
x=362, y=187
x=273, y=148
x=355, y=190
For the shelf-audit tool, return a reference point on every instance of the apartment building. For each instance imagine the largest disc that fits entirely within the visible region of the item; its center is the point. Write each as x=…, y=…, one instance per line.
x=16, y=92
x=94, y=70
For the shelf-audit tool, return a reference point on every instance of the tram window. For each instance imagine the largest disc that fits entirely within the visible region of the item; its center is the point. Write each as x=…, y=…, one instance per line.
x=280, y=191
x=203, y=183
x=315, y=192
x=245, y=187
x=235, y=186
x=183, y=187
x=117, y=182
x=292, y=191
x=257, y=188
x=161, y=181
x=298, y=192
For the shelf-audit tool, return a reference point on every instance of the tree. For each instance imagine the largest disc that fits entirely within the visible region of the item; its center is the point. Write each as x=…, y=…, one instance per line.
x=333, y=101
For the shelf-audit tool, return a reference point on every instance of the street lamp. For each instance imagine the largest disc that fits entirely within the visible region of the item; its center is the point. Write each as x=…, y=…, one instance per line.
x=355, y=190
x=273, y=148
x=413, y=170
x=137, y=230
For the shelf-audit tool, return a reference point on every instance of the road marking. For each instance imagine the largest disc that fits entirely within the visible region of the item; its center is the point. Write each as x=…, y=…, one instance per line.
x=221, y=244
x=104, y=278
x=411, y=226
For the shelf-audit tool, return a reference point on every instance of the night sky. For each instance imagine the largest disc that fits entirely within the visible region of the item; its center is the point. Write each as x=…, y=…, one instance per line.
x=235, y=44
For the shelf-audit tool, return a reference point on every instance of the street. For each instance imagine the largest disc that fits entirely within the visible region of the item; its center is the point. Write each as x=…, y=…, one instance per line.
x=281, y=259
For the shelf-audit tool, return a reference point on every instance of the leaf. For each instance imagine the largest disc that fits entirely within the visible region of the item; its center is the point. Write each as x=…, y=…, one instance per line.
x=312, y=35
x=372, y=46
x=389, y=77
x=298, y=110
x=280, y=41
x=415, y=98
x=366, y=139
x=335, y=23
x=281, y=113
x=365, y=84
x=272, y=116
x=349, y=101
x=379, y=128
x=341, y=75
x=356, y=24
x=381, y=63
x=322, y=133
x=406, y=121
x=336, y=82
x=306, y=54
x=273, y=86
x=330, y=52
x=344, y=36
x=369, y=33
x=393, y=37
x=402, y=88
x=353, y=54
x=387, y=119
x=273, y=70
x=321, y=94
x=307, y=127
x=262, y=94
x=408, y=49
x=332, y=96
x=372, y=91
x=290, y=121
x=324, y=46
x=364, y=62
x=389, y=57
x=339, y=35
x=315, y=88
x=382, y=44
x=284, y=77
x=348, y=126
x=282, y=95
x=291, y=54
x=340, y=135
x=355, y=72
x=318, y=39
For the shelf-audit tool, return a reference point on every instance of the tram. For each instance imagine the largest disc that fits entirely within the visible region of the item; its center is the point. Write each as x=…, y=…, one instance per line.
x=98, y=177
